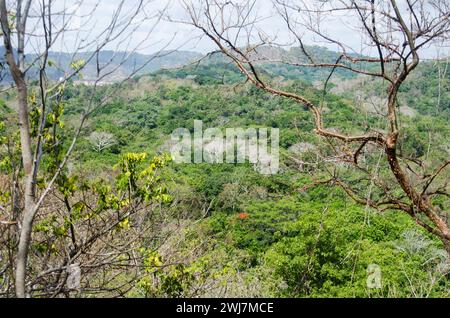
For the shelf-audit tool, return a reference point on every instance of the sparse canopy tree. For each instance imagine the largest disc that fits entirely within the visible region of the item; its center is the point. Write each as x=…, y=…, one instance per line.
x=36, y=28
x=101, y=140
x=393, y=36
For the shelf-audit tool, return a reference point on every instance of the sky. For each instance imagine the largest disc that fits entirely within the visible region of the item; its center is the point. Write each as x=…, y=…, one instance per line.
x=186, y=36
x=90, y=17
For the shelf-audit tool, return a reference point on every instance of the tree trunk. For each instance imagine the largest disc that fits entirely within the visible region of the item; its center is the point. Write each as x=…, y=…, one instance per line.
x=18, y=76
x=22, y=254
x=423, y=205
x=28, y=211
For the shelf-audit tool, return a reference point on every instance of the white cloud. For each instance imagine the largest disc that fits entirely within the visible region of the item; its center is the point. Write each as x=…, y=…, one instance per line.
x=93, y=17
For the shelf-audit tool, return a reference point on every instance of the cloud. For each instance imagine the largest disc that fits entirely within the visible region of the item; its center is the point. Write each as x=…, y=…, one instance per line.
x=86, y=29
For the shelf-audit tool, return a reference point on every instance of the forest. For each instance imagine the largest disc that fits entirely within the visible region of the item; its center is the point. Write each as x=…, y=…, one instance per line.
x=93, y=204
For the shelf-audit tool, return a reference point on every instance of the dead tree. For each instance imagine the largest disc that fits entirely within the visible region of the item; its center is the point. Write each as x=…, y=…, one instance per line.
x=396, y=34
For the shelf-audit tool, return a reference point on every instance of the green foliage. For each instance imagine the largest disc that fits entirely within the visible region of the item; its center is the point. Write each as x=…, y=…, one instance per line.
x=257, y=235
x=160, y=280
x=328, y=251
x=137, y=182
x=77, y=65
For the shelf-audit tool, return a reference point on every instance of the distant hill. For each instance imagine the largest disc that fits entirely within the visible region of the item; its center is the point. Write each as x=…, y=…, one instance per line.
x=217, y=68
x=60, y=62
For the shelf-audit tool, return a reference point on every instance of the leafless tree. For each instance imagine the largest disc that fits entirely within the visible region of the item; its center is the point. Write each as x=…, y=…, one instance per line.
x=394, y=35
x=101, y=140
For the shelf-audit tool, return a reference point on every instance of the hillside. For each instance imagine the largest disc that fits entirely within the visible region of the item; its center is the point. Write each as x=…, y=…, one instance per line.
x=263, y=229
x=215, y=68
x=281, y=235
x=122, y=63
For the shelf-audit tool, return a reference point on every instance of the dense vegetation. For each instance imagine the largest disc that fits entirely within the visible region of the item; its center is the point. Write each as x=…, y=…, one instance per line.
x=228, y=230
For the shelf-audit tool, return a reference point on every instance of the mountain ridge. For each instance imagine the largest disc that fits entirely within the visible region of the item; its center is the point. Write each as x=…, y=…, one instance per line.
x=123, y=63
